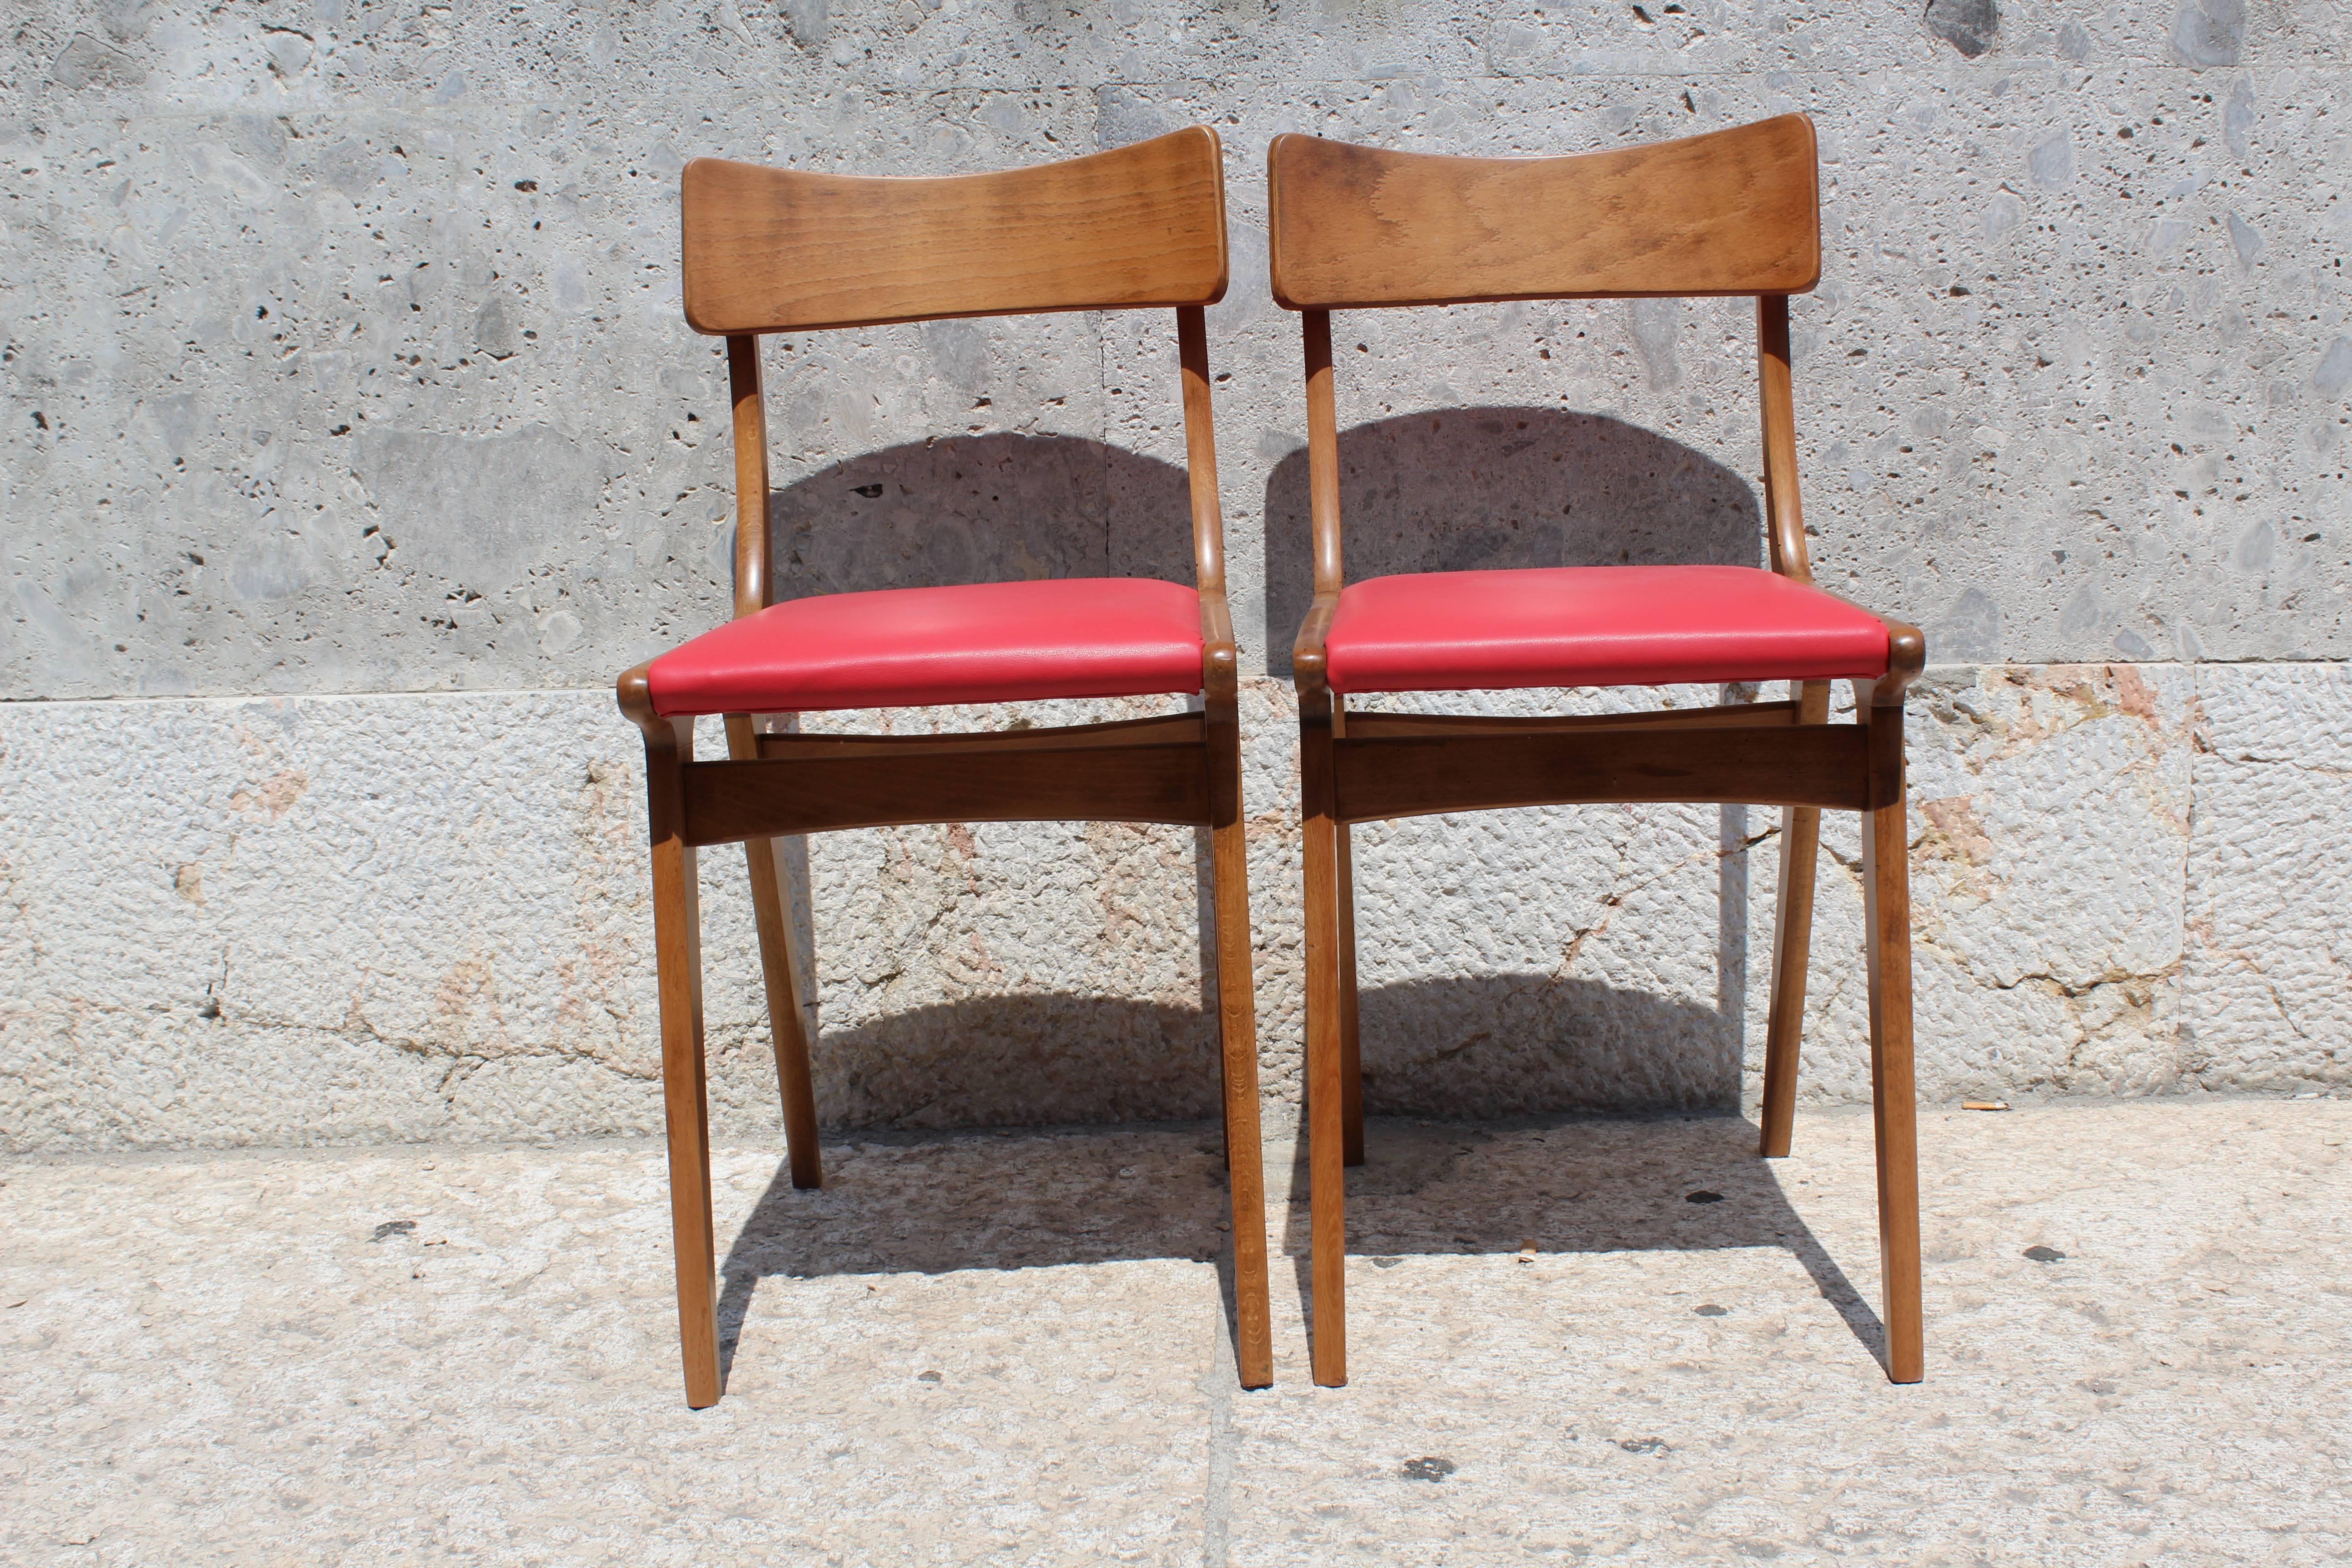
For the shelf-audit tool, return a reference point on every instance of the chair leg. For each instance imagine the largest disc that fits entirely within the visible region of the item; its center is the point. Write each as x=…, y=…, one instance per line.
x=1886, y=927
x=1237, y=1045
x=1792, y=938
x=1801, y=843
x=1351, y=1057
x=677, y=953
x=1326, y=1088
x=787, y=1031
x=786, y=1027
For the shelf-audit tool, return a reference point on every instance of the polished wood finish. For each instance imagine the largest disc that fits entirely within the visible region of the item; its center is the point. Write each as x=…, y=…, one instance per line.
x=746, y=389
x=1351, y=1048
x=1237, y=1044
x=1160, y=783
x=776, y=250
x=1731, y=212
x=1735, y=212
x=686, y=1114
x=1326, y=1093
x=1792, y=936
x=1894, y=1095
x=1784, y=513
x=787, y=1028
x=769, y=250
x=1393, y=776
x=1322, y=472
x=788, y=1031
x=1425, y=726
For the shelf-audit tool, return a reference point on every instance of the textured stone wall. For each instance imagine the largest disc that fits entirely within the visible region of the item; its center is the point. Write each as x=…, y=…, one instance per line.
x=353, y=440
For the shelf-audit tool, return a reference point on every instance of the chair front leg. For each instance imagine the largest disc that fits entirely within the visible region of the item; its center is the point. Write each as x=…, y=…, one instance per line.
x=1886, y=937
x=1326, y=1078
x=1792, y=937
x=677, y=953
x=1237, y=1044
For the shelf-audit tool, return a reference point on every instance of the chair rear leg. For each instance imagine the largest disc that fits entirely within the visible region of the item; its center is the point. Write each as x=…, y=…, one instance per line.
x=786, y=1027
x=1326, y=1087
x=677, y=953
x=787, y=1030
x=1886, y=926
x=1792, y=937
x=1351, y=1057
x=1792, y=934
x=1237, y=1043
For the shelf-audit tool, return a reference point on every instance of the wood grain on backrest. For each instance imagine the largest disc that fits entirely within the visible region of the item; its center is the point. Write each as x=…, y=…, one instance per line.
x=1732, y=212
x=780, y=250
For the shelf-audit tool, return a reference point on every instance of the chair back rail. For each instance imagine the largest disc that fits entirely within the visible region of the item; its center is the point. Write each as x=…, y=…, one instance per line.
x=1731, y=212
x=1728, y=213
x=771, y=250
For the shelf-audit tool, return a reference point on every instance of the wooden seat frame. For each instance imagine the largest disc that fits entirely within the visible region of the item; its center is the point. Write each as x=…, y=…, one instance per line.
x=769, y=250
x=1732, y=213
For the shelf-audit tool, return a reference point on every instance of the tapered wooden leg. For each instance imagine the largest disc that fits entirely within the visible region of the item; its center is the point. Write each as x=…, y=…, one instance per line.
x=1886, y=927
x=787, y=1029
x=1792, y=936
x=1351, y=1056
x=677, y=954
x=1237, y=1040
x=1326, y=1080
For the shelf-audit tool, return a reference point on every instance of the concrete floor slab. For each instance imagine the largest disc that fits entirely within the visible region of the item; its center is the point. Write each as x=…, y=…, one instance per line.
x=1014, y=1348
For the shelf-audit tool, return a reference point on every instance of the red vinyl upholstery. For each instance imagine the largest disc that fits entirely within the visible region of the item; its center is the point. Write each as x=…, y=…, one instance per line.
x=905, y=648
x=1594, y=625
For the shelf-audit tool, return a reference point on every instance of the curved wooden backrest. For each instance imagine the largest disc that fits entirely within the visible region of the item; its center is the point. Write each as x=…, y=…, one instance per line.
x=1731, y=212
x=771, y=250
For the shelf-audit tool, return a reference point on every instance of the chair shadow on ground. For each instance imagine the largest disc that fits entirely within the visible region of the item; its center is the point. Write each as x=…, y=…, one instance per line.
x=1487, y=489
x=930, y=1202
x=1571, y=1183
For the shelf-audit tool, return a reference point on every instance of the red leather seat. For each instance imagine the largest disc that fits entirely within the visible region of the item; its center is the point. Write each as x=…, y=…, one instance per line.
x=1594, y=625
x=905, y=647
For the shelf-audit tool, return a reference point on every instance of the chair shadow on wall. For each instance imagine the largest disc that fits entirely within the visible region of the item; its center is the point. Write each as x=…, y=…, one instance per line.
x=1495, y=488
x=969, y=509
x=991, y=508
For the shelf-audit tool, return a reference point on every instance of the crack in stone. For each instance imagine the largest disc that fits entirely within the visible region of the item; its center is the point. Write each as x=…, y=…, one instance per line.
x=2294, y=762
x=2280, y=1003
x=1617, y=898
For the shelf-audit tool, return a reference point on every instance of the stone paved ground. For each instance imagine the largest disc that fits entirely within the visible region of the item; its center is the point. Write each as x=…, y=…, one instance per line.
x=994, y=1348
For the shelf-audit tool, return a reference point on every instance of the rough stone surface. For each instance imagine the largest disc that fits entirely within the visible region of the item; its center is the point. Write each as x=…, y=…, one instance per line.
x=344, y=340
x=345, y=364
x=338, y=920
x=2268, y=986
x=1013, y=1349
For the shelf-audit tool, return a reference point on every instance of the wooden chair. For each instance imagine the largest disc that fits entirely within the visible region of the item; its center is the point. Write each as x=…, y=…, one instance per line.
x=1735, y=212
x=778, y=250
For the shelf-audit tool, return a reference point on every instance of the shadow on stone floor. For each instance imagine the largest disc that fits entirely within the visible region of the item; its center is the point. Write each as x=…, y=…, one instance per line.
x=1485, y=489
x=934, y=1201
x=1572, y=1184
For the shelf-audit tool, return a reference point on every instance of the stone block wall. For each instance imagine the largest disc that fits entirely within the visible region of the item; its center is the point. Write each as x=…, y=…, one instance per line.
x=352, y=441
